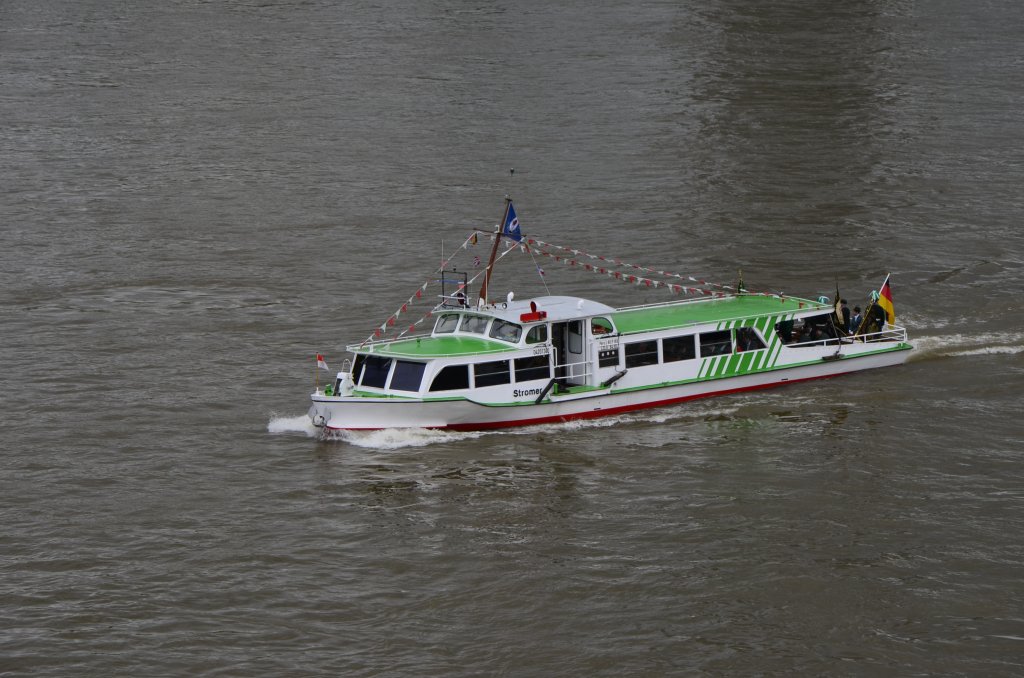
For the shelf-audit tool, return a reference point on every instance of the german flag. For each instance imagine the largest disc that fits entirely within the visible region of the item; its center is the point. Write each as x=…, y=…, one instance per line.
x=885, y=301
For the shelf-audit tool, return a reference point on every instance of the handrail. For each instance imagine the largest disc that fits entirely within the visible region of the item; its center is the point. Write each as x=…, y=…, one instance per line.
x=696, y=300
x=352, y=348
x=893, y=333
x=584, y=374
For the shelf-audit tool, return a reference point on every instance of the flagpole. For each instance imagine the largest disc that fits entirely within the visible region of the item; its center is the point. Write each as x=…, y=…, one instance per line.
x=837, y=316
x=867, y=312
x=494, y=253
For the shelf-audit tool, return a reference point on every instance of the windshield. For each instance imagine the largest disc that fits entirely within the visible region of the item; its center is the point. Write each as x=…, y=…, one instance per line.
x=446, y=323
x=474, y=323
x=506, y=331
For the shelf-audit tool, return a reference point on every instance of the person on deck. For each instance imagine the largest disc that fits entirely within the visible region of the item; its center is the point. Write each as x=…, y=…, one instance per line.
x=855, y=319
x=876, y=316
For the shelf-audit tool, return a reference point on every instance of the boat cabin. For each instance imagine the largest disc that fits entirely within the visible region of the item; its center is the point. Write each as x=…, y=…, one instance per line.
x=519, y=351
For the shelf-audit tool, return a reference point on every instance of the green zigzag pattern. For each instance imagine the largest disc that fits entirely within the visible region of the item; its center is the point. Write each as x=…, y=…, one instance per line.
x=751, y=361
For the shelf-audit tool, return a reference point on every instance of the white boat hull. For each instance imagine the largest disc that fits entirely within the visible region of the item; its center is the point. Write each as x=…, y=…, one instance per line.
x=361, y=413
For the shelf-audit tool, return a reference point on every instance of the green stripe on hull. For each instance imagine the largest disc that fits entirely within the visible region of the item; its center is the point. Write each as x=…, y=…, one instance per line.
x=759, y=360
x=748, y=359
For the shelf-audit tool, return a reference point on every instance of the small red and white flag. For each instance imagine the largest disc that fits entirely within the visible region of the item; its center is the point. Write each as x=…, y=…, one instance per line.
x=321, y=363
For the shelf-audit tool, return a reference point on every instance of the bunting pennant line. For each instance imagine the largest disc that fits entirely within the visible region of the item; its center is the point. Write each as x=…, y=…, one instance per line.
x=619, y=262
x=569, y=256
x=404, y=308
x=635, y=279
x=469, y=282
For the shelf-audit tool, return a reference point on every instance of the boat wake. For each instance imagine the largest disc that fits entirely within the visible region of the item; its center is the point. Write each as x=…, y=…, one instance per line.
x=383, y=439
x=399, y=438
x=299, y=424
x=958, y=345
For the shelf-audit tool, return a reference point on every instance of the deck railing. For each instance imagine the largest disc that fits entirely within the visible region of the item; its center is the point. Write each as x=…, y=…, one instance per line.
x=891, y=333
x=571, y=373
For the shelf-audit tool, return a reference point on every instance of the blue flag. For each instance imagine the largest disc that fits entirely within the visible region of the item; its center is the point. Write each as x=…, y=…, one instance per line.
x=511, y=227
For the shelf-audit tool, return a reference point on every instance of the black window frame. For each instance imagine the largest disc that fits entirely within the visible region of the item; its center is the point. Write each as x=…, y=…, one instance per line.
x=492, y=373
x=376, y=368
x=718, y=342
x=446, y=371
x=404, y=381
x=529, y=368
x=753, y=335
x=641, y=353
x=670, y=348
x=357, y=368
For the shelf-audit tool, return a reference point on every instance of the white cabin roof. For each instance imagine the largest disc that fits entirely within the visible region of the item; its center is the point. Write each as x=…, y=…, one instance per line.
x=557, y=308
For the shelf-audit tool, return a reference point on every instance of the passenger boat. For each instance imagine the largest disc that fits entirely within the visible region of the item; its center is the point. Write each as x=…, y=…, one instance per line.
x=561, y=358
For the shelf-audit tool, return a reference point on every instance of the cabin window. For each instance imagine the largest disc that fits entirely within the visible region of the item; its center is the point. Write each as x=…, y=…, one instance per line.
x=817, y=328
x=538, y=334
x=450, y=378
x=491, y=374
x=600, y=326
x=715, y=343
x=357, y=368
x=641, y=353
x=747, y=339
x=407, y=376
x=575, y=336
x=534, y=367
x=506, y=331
x=784, y=330
x=678, y=348
x=608, y=358
x=375, y=371
x=446, y=323
x=474, y=323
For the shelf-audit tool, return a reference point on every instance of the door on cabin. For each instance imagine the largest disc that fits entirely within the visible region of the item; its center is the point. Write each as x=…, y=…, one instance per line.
x=570, y=346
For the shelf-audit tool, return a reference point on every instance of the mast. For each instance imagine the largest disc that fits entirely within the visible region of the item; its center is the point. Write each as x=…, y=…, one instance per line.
x=494, y=252
x=867, y=312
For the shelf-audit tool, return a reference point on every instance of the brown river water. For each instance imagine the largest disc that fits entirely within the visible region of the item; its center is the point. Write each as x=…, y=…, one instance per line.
x=198, y=197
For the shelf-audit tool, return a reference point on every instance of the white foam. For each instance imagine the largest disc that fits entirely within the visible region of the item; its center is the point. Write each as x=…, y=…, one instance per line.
x=991, y=350
x=299, y=424
x=990, y=343
x=398, y=438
